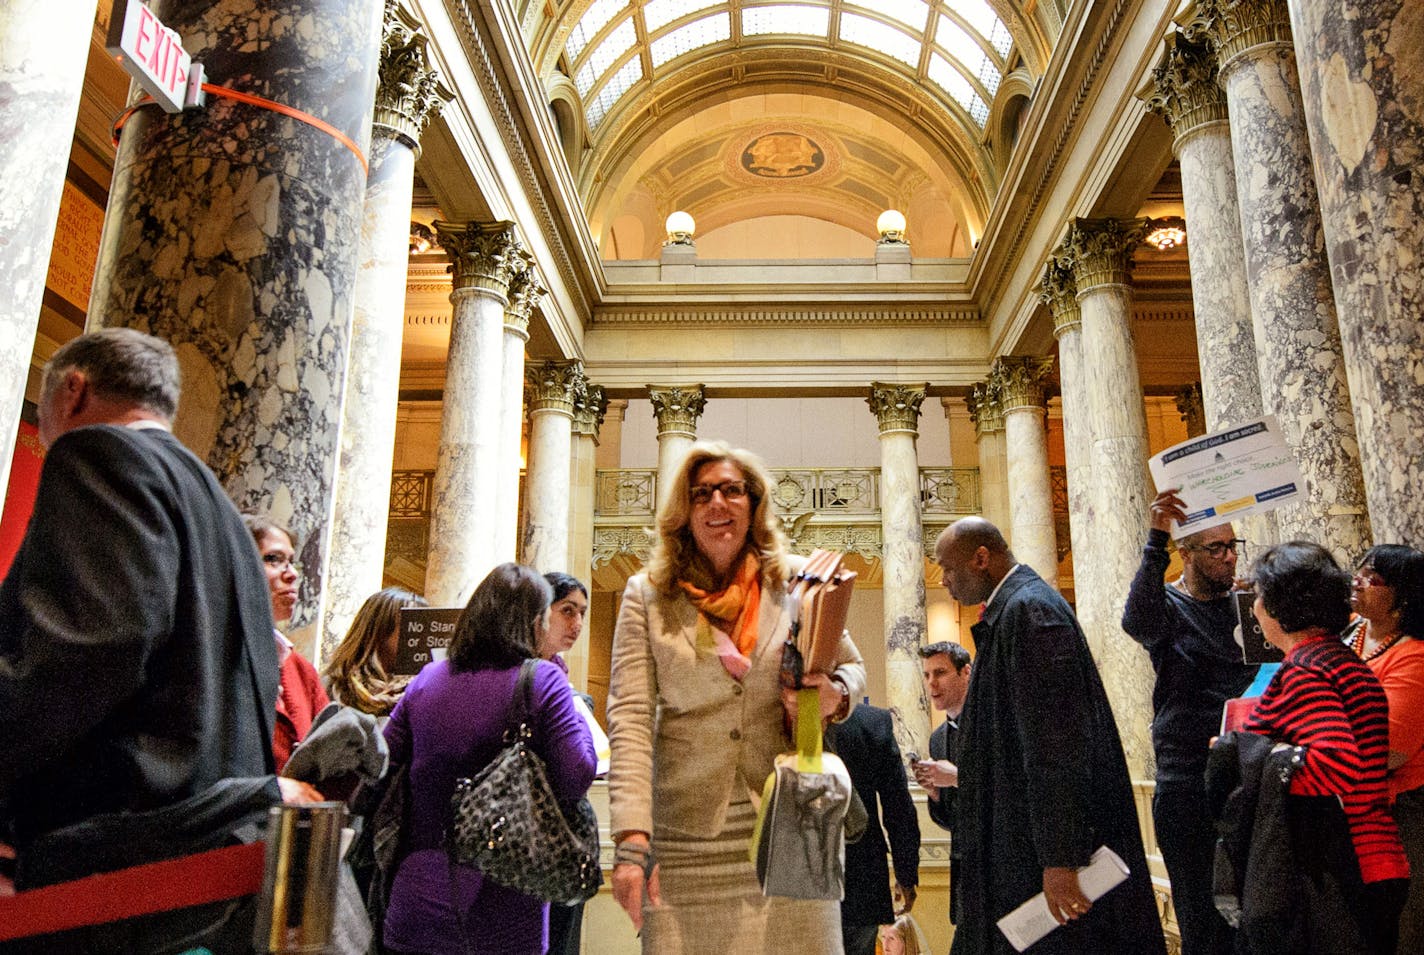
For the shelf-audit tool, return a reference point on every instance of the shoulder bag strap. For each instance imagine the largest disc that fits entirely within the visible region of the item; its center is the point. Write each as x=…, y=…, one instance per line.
x=521, y=705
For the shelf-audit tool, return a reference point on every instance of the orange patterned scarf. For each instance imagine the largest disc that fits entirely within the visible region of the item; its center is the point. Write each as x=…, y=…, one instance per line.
x=736, y=608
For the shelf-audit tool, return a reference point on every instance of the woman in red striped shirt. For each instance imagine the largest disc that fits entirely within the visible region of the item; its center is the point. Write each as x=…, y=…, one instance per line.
x=1326, y=699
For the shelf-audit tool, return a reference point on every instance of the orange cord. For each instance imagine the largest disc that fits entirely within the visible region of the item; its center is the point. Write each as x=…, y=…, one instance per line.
x=258, y=101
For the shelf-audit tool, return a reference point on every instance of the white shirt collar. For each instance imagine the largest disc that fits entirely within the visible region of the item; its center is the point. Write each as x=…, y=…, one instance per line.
x=1000, y=585
x=147, y=424
x=284, y=646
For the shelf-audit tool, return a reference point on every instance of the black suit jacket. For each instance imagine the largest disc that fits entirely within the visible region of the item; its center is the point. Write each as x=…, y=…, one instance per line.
x=137, y=665
x=944, y=744
x=865, y=742
x=1043, y=781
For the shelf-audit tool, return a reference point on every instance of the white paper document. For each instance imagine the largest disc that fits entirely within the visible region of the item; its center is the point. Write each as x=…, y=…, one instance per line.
x=1031, y=921
x=1247, y=469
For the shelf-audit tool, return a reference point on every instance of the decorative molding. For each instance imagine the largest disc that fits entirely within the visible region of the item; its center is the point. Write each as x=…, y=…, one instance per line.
x=862, y=539
x=691, y=316
x=1101, y=250
x=409, y=92
x=896, y=407
x=1185, y=91
x=677, y=408
x=609, y=542
x=1019, y=382
x=555, y=386
x=590, y=405
x=483, y=256
x=1059, y=291
x=985, y=409
x=1191, y=408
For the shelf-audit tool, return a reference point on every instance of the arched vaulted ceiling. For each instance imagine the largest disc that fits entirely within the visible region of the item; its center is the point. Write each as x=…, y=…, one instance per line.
x=826, y=109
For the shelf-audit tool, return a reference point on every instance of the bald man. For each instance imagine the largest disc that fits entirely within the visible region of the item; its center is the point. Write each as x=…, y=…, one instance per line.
x=1042, y=778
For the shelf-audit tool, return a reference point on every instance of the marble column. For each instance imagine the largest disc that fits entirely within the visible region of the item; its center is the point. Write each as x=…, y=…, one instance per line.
x=524, y=293
x=590, y=405
x=46, y=43
x=408, y=96
x=1059, y=292
x=1187, y=94
x=483, y=260
x=897, y=411
x=555, y=388
x=1019, y=382
x=1362, y=82
x=1303, y=377
x=1101, y=251
x=677, y=408
x=233, y=232
x=988, y=417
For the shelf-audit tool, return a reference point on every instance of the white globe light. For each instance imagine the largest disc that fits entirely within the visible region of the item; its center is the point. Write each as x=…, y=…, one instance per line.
x=890, y=223
x=680, y=223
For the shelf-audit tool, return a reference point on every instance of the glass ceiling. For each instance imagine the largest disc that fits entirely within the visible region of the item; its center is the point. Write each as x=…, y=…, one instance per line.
x=959, y=47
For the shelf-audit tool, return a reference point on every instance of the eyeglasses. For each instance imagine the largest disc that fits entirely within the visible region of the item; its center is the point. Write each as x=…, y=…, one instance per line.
x=1368, y=578
x=730, y=490
x=281, y=562
x=1217, y=549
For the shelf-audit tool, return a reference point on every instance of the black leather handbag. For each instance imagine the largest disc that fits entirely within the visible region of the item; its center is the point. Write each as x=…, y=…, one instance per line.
x=506, y=822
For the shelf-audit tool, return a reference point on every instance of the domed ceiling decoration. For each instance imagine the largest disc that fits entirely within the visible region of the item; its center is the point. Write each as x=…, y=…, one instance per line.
x=801, y=92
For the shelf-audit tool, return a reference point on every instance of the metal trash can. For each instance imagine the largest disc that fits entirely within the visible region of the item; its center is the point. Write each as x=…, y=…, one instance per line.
x=298, y=906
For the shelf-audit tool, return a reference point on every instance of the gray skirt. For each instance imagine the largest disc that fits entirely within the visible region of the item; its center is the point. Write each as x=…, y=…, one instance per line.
x=712, y=902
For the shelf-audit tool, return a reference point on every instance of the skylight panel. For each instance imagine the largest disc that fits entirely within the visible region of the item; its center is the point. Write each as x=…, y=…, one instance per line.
x=1000, y=39
x=659, y=13
x=620, y=83
x=596, y=18
x=610, y=51
x=978, y=14
x=806, y=21
x=915, y=14
x=880, y=36
x=698, y=33
x=953, y=82
x=958, y=43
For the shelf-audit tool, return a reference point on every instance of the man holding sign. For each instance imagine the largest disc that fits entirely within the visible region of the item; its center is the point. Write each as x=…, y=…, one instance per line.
x=1187, y=627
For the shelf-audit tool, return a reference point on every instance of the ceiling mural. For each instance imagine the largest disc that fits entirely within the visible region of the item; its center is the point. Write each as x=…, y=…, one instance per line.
x=782, y=155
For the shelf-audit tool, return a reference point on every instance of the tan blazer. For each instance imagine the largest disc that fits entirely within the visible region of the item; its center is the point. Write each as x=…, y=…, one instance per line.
x=684, y=733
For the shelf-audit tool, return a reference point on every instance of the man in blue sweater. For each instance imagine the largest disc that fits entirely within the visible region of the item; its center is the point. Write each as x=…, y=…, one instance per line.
x=1188, y=629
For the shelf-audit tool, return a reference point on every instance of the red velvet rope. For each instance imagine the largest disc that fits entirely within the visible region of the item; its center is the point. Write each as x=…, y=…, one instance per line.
x=260, y=102
x=213, y=876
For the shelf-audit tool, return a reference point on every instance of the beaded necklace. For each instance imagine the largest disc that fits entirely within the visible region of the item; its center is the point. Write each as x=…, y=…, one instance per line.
x=1357, y=643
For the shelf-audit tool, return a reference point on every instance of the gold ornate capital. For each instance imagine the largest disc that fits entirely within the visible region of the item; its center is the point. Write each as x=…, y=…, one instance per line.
x=483, y=256
x=985, y=408
x=1019, y=382
x=896, y=407
x=1184, y=88
x=1101, y=250
x=408, y=90
x=1191, y=408
x=555, y=386
x=525, y=290
x=1236, y=27
x=1059, y=291
x=590, y=405
x=677, y=407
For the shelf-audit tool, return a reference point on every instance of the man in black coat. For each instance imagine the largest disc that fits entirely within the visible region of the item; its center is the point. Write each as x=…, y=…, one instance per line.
x=947, y=669
x=138, y=674
x=1042, y=778
x=865, y=742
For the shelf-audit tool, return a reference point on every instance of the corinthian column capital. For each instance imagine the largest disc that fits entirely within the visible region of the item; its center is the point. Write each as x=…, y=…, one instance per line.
x=1059, y=291
x=525, y=290
x=555, y=386
x=677, y=408
x=590, y=405
x=985, y=408
x=1101, y=250
x=409, y=92
x=896, y=407
x=483, y=256
x=1019, y=382
x=1235, y=27
x=1185, y=91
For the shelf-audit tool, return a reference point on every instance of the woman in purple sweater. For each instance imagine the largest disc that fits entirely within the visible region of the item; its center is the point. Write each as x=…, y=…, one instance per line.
x=450, y=723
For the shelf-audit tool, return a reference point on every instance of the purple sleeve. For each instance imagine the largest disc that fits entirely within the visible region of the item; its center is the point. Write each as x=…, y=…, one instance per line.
x=561, y=737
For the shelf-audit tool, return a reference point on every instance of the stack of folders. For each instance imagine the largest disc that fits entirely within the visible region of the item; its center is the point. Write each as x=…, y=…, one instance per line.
x=819, y=599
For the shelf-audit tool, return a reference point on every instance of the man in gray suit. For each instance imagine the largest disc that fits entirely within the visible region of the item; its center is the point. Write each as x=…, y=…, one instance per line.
x=138, y=674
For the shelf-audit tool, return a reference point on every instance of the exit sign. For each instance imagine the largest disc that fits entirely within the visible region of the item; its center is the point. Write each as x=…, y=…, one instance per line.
x=153, y=54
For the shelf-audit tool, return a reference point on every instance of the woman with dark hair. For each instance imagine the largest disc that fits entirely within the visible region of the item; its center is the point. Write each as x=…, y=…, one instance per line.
x=1388, y=594
x=450, y=723
x=300, y=695
x=695, y=712
x=359, y=673
x=1326, y=700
